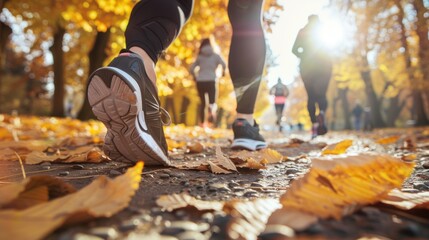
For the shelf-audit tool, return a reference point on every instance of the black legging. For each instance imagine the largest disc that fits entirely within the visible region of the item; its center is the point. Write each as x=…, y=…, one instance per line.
x=210, y=88
x=154, y=24
x=316, y=76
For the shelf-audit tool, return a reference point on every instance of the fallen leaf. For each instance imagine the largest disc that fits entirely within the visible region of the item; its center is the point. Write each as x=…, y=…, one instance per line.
x=338, y=148
x=387, y=140
x=407, y=201
x=8, y=154
x=183, y=200
x=216, y=169
x=249, y=217
x=10, y=191
x=195, y=147
x=223, y=161
x=5, y=134
x=39, y=157
x=294, y=219
x=27, y=145
x=32, y=191
x=409, y=157
x=86, y=154
x=102, y=198
x=335, y=186
x=264, y=156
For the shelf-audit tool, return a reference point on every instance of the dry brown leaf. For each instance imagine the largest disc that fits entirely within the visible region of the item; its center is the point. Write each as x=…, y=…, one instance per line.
x=183, y=200
x=336, y=185
x=8, y=154
x=39, y=157
x=223, y=161
x=10, y=191
x=27, y=145
x=32, y=191
x=249, y=217
x=102, y=198
x=195, y=147
x=217, y=169
x=407, y=201
x=294, y=219
x=337, y=148
x=256, y=159
x=88, y=154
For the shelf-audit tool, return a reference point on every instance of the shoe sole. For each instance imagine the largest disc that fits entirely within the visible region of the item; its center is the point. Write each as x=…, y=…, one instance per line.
x=247, y=144
x=120, y=108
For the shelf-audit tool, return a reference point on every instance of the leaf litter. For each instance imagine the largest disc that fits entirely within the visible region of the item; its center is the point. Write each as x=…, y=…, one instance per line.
x=337, y=184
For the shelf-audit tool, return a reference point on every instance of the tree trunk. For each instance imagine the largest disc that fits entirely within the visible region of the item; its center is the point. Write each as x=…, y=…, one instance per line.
x=394, y=110
x=5, y=32
x=423, y=52
x=342, y=94
x=97, y=55
x=419, y=109
x=183, y=110
x=374, y=103
x=334, y=113
x=58, y=66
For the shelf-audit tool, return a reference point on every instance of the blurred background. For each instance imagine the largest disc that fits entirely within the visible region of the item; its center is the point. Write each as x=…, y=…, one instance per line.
x=380, y=49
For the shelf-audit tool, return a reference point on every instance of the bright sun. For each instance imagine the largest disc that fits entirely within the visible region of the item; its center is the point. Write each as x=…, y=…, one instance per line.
x=332, y=32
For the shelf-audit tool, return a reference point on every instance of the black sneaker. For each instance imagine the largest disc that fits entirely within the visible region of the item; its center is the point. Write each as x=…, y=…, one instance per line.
x=247, y=136
x=124, y=98
x=321, y=129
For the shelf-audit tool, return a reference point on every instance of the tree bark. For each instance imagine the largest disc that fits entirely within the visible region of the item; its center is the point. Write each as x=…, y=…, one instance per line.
x=5, y=32
x=376, y=117
x=58, y=66
x=418, y=103
x=423, y=52
x=97, y=55
x=342, y=94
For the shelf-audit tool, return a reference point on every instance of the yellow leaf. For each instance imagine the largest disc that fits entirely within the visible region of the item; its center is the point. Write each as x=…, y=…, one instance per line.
x=5, y=134
x=338, y=148
x=388, y=140
x=102, y=198
x=335, y=185
x=32, y=191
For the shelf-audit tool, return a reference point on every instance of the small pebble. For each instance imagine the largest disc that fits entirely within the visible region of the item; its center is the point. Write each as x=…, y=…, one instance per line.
x=104, y=232
x=164, y=176
x=83, y=236
x=45, y=164
x=191, y=235
x=114, y=173
x=65, y=173
x=426, y=165
x=130, y=225
x=78, y=167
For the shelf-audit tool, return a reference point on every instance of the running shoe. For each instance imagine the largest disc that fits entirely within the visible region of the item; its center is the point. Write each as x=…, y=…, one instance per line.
x=124, y=98
x=247, y=136
x=314, y=130
x=321, y=129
